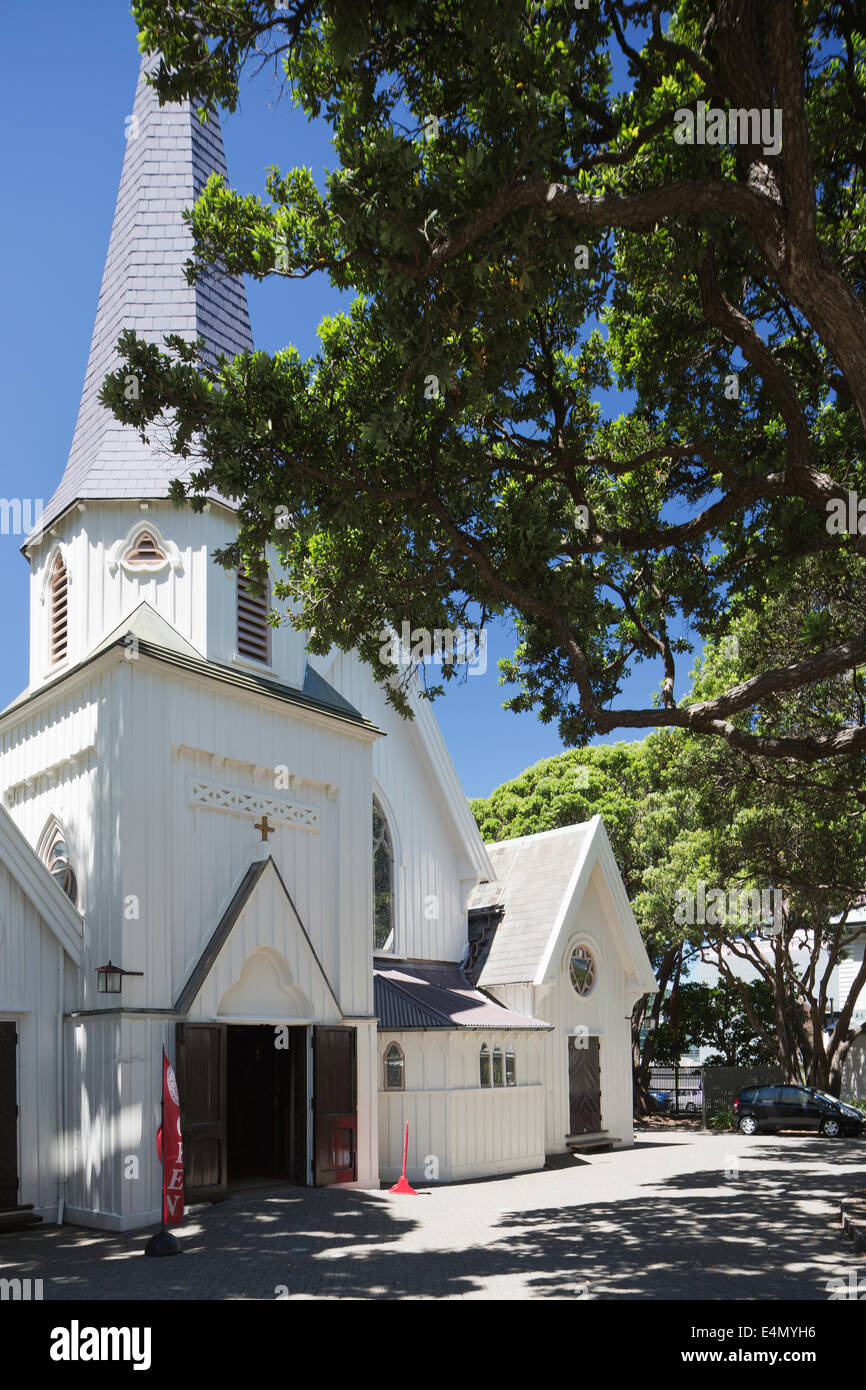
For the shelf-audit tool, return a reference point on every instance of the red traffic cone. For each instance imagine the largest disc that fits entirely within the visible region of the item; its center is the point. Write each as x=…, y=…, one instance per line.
x=402, y=1185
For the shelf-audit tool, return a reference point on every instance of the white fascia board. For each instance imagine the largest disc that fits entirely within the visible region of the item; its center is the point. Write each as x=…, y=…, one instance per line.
x=596, y=850
x=449, y=784
x=39, y=887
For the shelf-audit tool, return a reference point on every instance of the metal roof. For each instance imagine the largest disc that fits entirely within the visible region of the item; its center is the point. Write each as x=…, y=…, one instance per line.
x=437, y=995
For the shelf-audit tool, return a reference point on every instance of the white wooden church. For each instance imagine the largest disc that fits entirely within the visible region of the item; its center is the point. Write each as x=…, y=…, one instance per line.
x=213, y=842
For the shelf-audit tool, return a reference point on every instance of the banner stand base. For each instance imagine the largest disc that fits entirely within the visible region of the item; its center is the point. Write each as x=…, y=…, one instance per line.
x=163, y=1243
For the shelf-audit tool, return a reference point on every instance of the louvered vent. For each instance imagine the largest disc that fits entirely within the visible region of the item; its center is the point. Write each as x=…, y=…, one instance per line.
x=145, y=552
x=253, y=628
x=59, y=609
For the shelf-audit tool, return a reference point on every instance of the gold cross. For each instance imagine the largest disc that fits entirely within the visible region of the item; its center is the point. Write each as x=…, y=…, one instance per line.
x=265, y=827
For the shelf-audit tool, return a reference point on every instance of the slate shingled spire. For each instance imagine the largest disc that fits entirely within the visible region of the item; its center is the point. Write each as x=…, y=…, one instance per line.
x=169, y=156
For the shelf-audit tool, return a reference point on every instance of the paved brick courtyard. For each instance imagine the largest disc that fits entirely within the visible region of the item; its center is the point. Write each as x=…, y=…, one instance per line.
x=681, y=1216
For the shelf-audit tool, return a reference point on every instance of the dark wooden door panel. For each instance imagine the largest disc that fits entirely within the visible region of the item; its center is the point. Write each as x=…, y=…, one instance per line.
x=584, y=1086
x=201, y=1080
x=8, y=1117
x=335, y=1114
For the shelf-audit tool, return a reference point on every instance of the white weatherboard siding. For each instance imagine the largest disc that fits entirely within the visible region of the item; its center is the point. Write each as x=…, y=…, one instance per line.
x=848, y=969
x=854, y=1070
x=559, y=890
x=457, y=1128
x=605, y=1014
x=192, y=593
x=184, y=860
x=434, y=868
x=35, y=980
x=156, y=873
x=113, y=1085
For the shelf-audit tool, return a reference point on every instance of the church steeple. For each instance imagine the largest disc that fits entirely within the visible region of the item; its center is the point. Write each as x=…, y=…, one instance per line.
x=169, y=156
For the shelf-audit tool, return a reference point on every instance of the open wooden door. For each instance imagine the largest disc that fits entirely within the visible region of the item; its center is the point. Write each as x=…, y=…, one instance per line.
x=584, y=1086
x=201, y=1082
x=8, y=1117
x=335, y=1107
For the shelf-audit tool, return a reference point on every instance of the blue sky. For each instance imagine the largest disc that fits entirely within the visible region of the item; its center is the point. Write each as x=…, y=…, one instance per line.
x=64, y=128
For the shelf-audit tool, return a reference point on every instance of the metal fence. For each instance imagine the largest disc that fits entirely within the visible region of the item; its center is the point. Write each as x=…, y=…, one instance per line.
x=678, y=1090
x=705, y=1091
x=722, y=1085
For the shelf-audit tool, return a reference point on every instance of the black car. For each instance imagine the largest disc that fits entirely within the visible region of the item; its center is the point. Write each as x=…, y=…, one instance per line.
x=795, y=1107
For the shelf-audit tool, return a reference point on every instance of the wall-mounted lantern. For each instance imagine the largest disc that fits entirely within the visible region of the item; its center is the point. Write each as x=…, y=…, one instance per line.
x=109, y=978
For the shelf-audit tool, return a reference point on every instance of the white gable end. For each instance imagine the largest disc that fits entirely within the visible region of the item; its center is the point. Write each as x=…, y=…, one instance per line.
x=266, y=969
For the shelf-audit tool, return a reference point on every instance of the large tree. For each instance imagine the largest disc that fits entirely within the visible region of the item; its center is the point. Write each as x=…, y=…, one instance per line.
x=703, y=1015
x=524, y=230
x=626, y=784
x=695, y=824
x=747, y=823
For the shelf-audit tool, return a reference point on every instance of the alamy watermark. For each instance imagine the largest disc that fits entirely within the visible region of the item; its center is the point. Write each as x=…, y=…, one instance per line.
x=456, y=646
x=715, y=126
x=20, y=1290
x=847, y=516
x=851, y=1289
x=21, y=515
x=735, y=906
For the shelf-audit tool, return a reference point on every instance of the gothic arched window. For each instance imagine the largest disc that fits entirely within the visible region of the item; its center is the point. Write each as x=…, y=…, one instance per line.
x=498, y=1069
x=59, y=604
x=582, y=970
x=484, y=1065
x=395, y=1068
x=383, y=881
x=510, y=1066
x=59, y=867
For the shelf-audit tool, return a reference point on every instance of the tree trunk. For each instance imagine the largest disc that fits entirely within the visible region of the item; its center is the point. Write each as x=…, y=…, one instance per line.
x=642, y=1057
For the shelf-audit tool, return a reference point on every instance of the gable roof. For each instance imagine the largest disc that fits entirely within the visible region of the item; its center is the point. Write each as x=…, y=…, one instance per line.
x=414, y=995
x=147, y=625
x=242, y=896
x=169, y=156
x=533, y=873
x=18, y=856
x=541, y=881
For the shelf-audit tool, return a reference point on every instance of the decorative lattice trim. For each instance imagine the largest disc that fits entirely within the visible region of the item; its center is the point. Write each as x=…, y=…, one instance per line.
x=232, y=800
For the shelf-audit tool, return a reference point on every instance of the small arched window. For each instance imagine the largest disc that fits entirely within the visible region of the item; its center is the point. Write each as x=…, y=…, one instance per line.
x=498, y=1069
x=254, y=631
x=58, y=610
x=582, y=970
x=395, y=1068
x=383, y=881
x=59, y=867
x=510, y=1066
x=484, y=1065
x=145, y=553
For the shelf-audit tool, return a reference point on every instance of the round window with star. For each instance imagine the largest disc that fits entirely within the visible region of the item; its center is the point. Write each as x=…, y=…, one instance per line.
x=581, y=969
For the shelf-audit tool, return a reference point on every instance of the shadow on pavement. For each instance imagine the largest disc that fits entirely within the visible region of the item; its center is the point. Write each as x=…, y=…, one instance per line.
x=764, y=1233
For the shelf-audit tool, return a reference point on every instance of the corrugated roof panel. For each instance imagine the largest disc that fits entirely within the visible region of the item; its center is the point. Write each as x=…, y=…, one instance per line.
x=437, y=995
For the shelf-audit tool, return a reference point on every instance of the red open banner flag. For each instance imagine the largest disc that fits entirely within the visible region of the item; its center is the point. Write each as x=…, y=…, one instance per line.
x=171, y=1150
